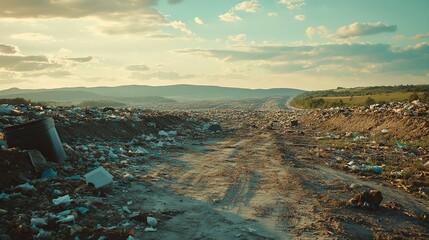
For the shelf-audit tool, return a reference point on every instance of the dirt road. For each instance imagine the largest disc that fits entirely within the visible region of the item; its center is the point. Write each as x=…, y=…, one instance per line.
x=264, y=184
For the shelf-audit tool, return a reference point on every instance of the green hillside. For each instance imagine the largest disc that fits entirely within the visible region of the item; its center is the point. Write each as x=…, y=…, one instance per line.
x=342, y=97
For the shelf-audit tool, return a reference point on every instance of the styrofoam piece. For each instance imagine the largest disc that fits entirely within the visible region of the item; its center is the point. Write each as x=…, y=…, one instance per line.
x=99, y=177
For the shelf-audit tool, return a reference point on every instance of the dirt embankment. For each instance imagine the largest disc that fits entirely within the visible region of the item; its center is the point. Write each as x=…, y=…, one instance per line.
x=398, y=127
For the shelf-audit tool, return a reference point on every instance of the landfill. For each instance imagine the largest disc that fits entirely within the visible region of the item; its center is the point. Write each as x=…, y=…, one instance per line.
x=113, y=152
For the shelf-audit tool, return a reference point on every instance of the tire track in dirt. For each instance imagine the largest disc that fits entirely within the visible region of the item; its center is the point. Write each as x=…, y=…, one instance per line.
x=247, y=176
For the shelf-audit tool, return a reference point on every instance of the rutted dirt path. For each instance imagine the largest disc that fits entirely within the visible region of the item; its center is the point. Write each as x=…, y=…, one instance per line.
x=264, y=185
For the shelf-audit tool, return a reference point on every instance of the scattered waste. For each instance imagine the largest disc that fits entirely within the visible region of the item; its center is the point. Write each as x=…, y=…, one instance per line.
x=62, y=200
x=38, y=160
x=38, y=222
x=215, y=128
x=68, y=219
x=368, y=199
x=367, y=168
x=37, y=134
x=152, y=224
x=26, y=186
x=99, y=177
x=294, y=123
x=49, y=173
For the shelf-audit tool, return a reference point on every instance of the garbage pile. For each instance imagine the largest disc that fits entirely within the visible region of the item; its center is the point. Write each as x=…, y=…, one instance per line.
x=401, y=120
x=107, y=150
x=404, y=163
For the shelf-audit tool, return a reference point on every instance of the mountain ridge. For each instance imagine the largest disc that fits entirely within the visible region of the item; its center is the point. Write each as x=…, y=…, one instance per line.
x=177, y=92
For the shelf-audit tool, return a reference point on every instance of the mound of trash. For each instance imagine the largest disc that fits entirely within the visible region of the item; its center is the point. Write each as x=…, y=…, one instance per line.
x=406, y=121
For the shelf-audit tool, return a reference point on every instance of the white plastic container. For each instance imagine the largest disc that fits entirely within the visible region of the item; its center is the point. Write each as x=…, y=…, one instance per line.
x=99, y=177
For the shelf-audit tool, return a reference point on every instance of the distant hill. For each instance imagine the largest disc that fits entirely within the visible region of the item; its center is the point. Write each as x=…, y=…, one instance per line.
x=136, y=94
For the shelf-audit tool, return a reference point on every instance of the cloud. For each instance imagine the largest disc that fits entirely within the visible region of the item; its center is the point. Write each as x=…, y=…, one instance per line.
x=11, y=61
x=8, y=49
x=300, y=17
x=80, y=60
x=248, y=6
x=360, y=29
x=137, y=67
x=198, y=21
x=293, y=4
x=351, y=31
x=322, y=31
x=229, y=17
x=25, y=63
x=181, y=26
x=347, y=58
x=238, y=38
x=33, y=37
x=272, y=14
x=114, y=17
x=421, y=36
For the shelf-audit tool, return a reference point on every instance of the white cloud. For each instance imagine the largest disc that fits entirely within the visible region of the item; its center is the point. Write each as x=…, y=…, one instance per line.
x=293, y=4
x=272, y=14
x=248, y=6
x=181, y=26
x=8, y=49
x=300, y=17
x=114, y=17
x=322, y=31
x=137, y=67
x=359, y=29
x=80, y=59
x=33, y=37
x=198, y=21
x=329, y=58
x=421, y=36
x=350, y=31
x=238, y=38
x=229, y=17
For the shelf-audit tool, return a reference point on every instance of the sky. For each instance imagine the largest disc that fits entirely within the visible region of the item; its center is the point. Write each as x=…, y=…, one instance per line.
x=304, y=44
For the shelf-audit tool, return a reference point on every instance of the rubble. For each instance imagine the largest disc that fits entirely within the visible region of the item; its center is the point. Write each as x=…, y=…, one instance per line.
x=117, y=143
x=368, y=199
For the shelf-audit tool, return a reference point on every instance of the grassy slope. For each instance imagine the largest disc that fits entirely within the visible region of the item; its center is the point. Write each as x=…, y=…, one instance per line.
x=358, y=96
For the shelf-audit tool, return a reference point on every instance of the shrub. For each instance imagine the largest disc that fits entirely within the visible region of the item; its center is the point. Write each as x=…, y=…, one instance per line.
x=369, y=101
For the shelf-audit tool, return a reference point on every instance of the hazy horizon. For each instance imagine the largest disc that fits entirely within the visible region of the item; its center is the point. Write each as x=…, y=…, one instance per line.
x=254, y=44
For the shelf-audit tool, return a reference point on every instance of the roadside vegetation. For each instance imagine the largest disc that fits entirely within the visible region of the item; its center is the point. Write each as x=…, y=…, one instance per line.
x=342, y=97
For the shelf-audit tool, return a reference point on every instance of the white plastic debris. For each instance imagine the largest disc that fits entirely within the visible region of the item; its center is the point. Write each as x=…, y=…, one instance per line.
x=6, y=109
x=38, y=222
x=151, y=221
x=43, y=234
x=69, y=218
x=385, y=130
x=99, y=177
x=57, y=192
x=26, y=186
x=62, y=200
x=163, y=133
x=64, y=213
x=150, y=229
x=4, y=196
x=172, y=133
x=126, y=209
